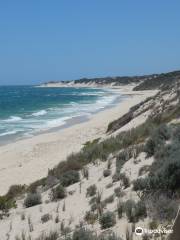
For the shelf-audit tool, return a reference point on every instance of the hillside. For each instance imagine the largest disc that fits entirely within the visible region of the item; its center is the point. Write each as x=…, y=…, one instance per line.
x=128, y=179
x=144, y=82
x=162, y=81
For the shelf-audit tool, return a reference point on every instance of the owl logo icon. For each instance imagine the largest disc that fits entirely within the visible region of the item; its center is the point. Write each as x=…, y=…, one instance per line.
x=139, y=231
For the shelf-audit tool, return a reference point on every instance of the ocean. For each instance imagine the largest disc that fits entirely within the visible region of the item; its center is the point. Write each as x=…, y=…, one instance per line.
x=28, y=110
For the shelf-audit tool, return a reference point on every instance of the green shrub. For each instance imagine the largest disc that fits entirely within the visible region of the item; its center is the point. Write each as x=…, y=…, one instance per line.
x=90, y=217
x=176, y=134
x=122, y=158
x=120, y=209
x=51, y=181
x=45, y=218
x=91, y=190
x=53, y=235
x=58, y=192
x=118, y=192
x=129, y=209
x=153, y=224
x=15, y=190
x=144, y=169
x=135, y=211
x=109, y=199
x=85, y=172
x=83, y=234
x=107, y=220
x=157, y=139
x=140, y=210
x=115, y=177
x=164, y=174
x=109, y=185
x=69, y=178
x=6, y=203
x=93, y=207
x=150, y=147
x=106, y=172
x=32, y=188
x=141, y=184
x=163, y=132
x=32, y=199
x=125, y=180
x=92, y=200
x=163, y=207
x=109, y=236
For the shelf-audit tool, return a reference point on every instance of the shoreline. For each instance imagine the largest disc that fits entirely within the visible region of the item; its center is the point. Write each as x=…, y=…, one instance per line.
x=70, y=121
x=28, y=160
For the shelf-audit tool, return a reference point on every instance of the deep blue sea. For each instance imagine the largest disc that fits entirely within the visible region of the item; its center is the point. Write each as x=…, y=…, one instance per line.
x=27, y=110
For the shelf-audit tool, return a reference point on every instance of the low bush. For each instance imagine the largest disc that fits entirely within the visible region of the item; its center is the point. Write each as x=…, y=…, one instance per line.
x=125, y=180
x=109, y=236
x=150, y=147
x=106, y=172
x=109, y=185
x=32, y=188
x=140, y=210
x=91, y=190
x=51, y=181
x=85, y=172
x=53, y=235
x=58, y=192
x=153, y=224
x=6, y=203
x=109, y=199
x=92, y=200
x=32, y=199
x=90, y=217
x=176, y=134
x=135, y=211
x=83, y=234
x=15, y=191
x=129, y=209
x=120, y=209
x=118, y=192
x=164, y=173
x=162, y=207
x=45, y=218
x=115, y=177
x=144, y=169
x=107, y=220
x=69, y=178
x=121, y=177
x=141, y=184
x=157, y=139
x=122, y=158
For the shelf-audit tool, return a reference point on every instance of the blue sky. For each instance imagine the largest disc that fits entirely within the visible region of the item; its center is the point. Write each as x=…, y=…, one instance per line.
x=44, y=40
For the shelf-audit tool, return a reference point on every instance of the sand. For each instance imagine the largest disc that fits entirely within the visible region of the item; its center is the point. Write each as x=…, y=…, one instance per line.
x=27, y=160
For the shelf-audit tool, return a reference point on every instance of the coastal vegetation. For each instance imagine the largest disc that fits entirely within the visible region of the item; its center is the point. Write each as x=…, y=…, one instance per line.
x=137, y=178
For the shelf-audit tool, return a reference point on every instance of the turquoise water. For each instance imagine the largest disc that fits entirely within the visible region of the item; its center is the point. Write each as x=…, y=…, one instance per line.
x=25, y=110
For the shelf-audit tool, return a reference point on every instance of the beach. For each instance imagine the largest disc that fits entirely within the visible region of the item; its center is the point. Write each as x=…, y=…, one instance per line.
x=27, y=160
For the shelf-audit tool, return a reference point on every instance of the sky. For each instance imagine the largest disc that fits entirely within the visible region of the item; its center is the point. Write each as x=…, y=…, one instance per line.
x=43, y=40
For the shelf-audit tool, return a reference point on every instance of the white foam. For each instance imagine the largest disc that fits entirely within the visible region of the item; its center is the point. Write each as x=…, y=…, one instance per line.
x=57, y=116
x=39, y=113
x=8, y=133
x=13, y=119
x=56, y=122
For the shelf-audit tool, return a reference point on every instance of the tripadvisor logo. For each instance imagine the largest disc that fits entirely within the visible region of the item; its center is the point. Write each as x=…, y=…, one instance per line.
x=139, y=231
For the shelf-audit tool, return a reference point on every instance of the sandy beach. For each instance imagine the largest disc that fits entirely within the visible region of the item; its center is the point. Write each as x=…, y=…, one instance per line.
x=27, y=160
